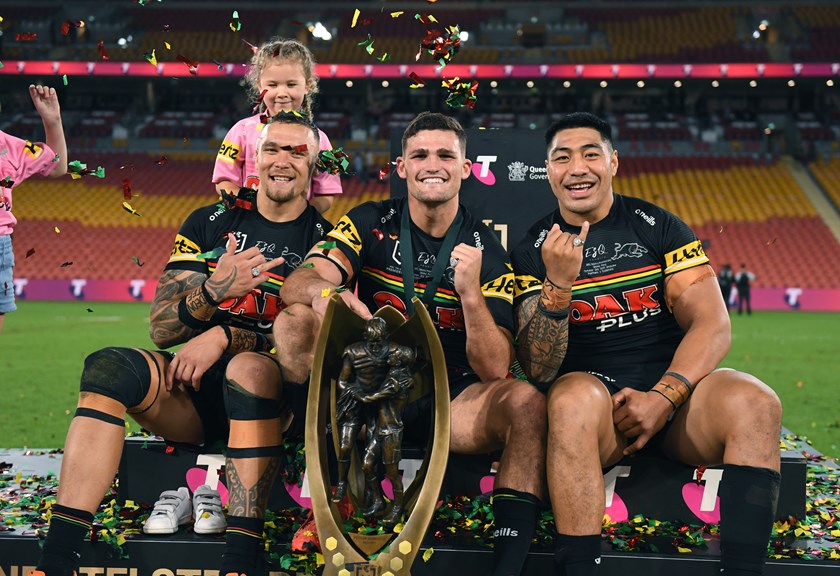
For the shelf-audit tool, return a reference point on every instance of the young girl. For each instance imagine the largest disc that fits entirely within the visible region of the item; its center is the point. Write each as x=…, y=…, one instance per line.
x=20, y=159
x=285, y=70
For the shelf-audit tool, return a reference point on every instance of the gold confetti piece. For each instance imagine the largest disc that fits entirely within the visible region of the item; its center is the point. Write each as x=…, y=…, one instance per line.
x=397, y=14
x=168, y=45
x=355, y=18
x=428, y=554
x=57, y=231
x=325, y=292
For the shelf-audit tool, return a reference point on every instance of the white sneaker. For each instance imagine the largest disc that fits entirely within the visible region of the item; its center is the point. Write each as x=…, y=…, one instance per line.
x=207, y=510
x=172, y=509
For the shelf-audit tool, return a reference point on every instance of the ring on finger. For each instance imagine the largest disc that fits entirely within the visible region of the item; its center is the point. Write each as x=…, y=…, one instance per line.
x=255, y=271
x=577, y=242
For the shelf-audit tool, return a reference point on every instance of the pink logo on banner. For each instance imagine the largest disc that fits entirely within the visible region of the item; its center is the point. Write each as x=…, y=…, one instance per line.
x=488, y=178
x=692, y=494
x=295, y=492
x=617, y=511
x=198, y=476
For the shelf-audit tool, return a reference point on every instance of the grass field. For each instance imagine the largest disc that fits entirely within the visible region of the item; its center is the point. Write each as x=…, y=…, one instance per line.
x=43, y=346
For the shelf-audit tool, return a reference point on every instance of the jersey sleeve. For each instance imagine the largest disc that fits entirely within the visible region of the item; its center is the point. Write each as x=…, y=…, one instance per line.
x=23, y=158
x=324, y=183
x=528, y=267
x=190, y=243
x=348, y=234
x=230, y=160
x=682, y=250
x=497, y=285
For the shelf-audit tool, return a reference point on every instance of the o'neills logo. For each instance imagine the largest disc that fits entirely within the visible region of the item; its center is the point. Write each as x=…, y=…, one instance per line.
x=517, y=171
x=509, y=532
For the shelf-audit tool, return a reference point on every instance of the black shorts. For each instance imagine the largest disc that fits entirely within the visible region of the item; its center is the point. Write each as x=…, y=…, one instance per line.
x=418, y=415
x=209, y=401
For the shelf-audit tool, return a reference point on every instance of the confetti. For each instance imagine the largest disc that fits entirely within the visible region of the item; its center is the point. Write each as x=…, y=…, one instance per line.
x=325, y=292
x=102, y=52
x=428, y=554
x=334, y=161
x=425, y=19
x=66, y=264
x=384, y=171
x=77, y=170
x=126, y=186
x=417, y=81
x=57, y=231
x=326, y=245
x=442, y=47
x=212, y=254
x=460, y=93
x=167, y=27
x=367, y=44
x=150, y=56
x=253, y=48
x=356, y=14
x=308, y=265
x=162, y=160
x=136, y=260
x=192, y=65
x=245, y=199
x=397, y=14
x=29, y=253
x=259, y=102
x=378, y=233
x=218, y=65
x=64, y=79
x=127, y=207
x=26, y=37
x=235, y=24
x=7, y=182
x=89, y=309
x=167, y=45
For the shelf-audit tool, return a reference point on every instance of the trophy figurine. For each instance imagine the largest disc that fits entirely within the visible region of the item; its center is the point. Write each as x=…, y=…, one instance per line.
x=364, y=375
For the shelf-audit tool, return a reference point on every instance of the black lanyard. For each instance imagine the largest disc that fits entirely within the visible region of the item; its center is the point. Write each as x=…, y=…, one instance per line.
x=407, y=258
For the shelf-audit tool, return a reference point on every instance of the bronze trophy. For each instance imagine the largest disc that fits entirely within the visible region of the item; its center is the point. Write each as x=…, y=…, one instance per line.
x=364, y=374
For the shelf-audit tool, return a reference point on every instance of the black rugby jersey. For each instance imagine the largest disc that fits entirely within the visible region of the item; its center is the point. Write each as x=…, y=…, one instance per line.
x=202, y=239
x=618, y=316
x=368, y=236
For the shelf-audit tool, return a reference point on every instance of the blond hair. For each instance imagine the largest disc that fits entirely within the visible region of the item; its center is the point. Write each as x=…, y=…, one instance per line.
x=283, y=50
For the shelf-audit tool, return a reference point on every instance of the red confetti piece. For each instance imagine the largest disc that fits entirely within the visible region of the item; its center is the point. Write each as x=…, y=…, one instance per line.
x=378, y=233
x=192, y=65
x=101, y=48
x=163, y=160
x=253, y=48
x=301, y=148
x=259, y=102
x=417, y=81
x=384, y=171
x=170, y=449
x=29, y=253
x=26, y=37
x=126, y=186
x=700, y=471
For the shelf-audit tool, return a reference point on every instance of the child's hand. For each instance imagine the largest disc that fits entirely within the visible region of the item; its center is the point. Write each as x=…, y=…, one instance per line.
x=46, y=102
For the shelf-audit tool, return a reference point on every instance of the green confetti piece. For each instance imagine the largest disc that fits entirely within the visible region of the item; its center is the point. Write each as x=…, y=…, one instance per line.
x=64, y=79
x=214, y=253
x=326, y=245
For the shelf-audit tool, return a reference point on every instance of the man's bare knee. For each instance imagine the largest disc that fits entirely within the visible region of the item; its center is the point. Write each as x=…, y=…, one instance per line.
x=574, y=397
x=255, y=373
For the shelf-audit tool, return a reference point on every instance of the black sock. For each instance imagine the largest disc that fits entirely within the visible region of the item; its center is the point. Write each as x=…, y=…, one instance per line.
x=748, y=498
x=515, y=520
x=243, y=542
x=577, y=555
x=68, y=528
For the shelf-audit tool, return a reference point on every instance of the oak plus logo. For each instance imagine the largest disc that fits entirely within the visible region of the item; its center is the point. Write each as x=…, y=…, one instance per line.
x=517, y=171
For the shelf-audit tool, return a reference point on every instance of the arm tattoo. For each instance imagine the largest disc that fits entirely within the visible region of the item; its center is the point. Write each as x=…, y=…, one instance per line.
x=218, y=287
x=241, y=340
x=542, y=341
x=250, y=501
x=166, y=329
